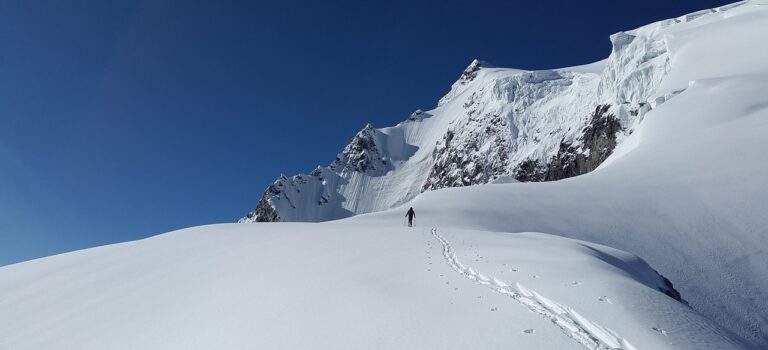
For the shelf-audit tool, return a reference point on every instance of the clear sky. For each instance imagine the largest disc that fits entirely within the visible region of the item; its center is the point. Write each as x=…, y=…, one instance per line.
x=124, y=119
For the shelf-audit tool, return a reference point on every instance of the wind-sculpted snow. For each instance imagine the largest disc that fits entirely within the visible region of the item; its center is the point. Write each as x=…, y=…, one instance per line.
x=688, y=194
x=683, y=188
x=333, y=192
x=499, y=122
x=575, y=326
x=337, y=287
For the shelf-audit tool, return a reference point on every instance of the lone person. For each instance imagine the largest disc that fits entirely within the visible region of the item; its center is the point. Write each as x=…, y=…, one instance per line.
x=410, y=214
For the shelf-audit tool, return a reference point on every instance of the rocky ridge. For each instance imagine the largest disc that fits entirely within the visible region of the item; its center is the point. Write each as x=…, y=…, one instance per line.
x=542, y=125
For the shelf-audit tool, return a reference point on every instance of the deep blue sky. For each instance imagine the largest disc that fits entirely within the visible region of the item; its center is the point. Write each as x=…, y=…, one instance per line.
x=121, y=120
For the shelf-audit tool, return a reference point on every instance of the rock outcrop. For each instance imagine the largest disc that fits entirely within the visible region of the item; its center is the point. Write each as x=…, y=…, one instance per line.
x=594, y=145
x=494, y=124
x=264, y=211
x=362, y=154
x=479, y=153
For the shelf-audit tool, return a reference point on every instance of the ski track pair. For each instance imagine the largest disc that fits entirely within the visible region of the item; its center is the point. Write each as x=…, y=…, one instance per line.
x=587, y=333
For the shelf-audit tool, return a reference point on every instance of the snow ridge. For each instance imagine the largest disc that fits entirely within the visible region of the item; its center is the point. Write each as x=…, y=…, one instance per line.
x=587, y=333
x=539, y=125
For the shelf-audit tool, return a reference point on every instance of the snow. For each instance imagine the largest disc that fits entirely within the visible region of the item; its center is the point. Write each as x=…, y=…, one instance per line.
x=689, y=196
x=712, y=46
x=331, y=286
x=525, y=100
x=684, y=190
x=594, y=67
x=540, y=109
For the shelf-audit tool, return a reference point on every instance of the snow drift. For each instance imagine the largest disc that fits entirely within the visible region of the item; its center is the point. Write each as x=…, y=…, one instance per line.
x=327, y=286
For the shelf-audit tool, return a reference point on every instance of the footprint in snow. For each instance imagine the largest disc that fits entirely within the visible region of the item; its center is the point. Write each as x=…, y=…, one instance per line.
x=605, y=299
x=529, y=331
x=663, y=332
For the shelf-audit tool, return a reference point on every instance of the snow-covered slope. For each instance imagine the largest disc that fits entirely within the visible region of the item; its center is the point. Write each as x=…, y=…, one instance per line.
x=484, y=127
x=529, y=125
x=684, y=187
x=329, y=286
x=686, y=191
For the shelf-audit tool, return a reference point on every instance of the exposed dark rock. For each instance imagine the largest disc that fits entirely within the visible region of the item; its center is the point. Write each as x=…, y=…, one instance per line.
x=362, y=155
x=419, y=115
x=471, y=72
x=462, y=164
x=318, y=173
x=596, y=143
x=473, y=151
x=457, y=164
x=530, y=171
x=447, y=140
x=670, y=290
x=264, y=211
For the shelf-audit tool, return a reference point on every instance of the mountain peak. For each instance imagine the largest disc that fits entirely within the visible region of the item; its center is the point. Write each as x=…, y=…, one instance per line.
x=471, y=71
x=478, y=63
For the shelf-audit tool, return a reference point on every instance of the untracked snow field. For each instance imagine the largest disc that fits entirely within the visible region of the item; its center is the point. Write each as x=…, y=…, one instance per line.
x=331, y=286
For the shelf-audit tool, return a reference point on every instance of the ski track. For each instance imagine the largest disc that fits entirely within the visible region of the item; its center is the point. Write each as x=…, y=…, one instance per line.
x=587, y=333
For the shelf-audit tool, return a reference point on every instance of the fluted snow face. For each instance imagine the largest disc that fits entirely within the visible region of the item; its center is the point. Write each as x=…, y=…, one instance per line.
x=497, y=123
x=508, y=119
x=467, y=76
